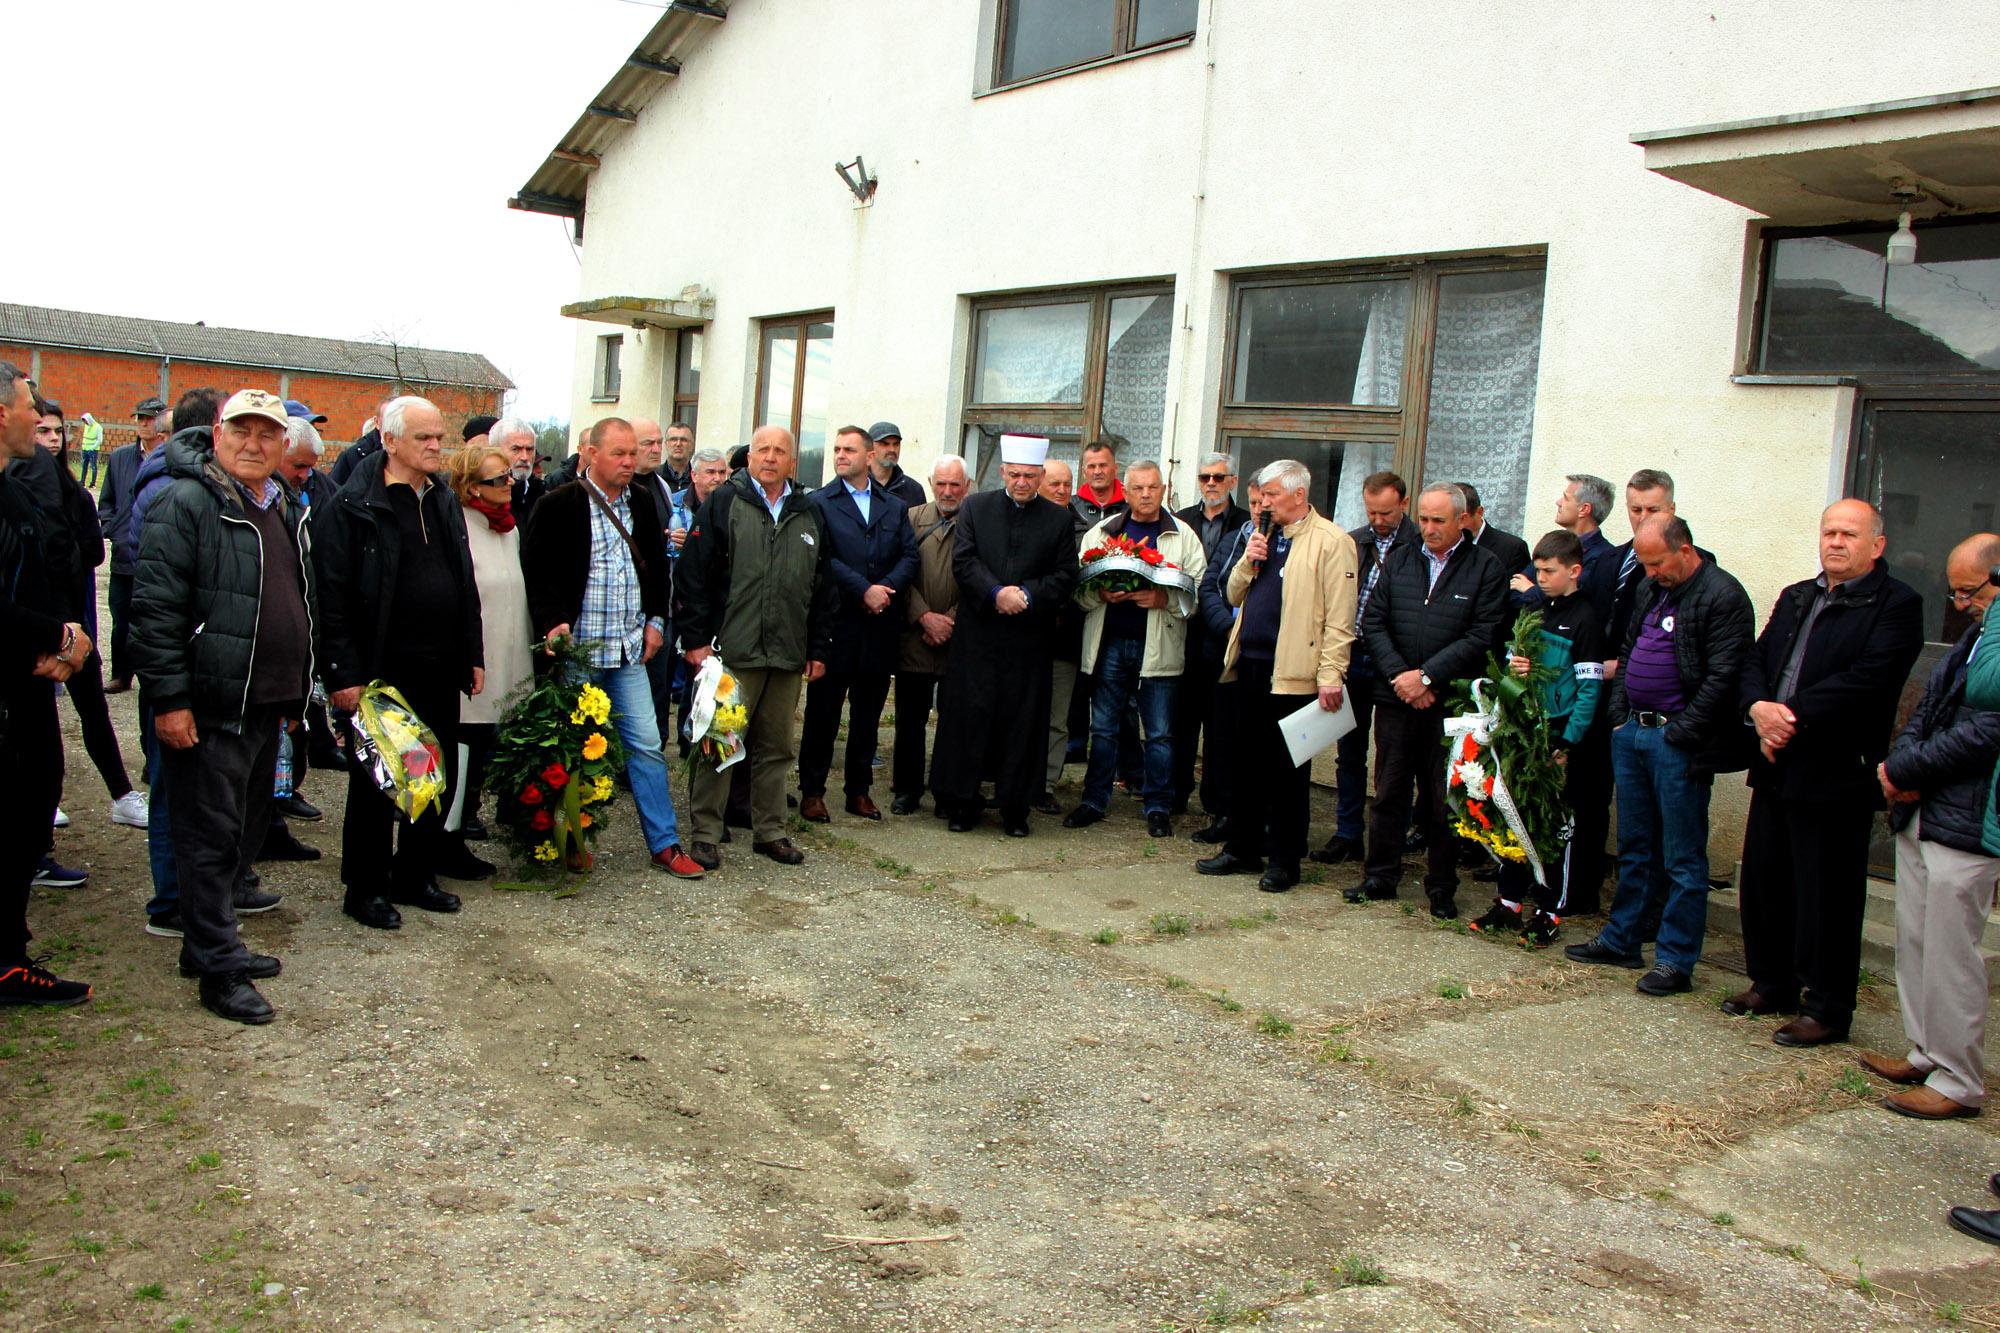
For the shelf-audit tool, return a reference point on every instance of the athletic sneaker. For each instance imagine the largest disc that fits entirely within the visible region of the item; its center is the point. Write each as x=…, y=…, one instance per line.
x=167, y=924
x=1540, y=929
x=1500, y=919
x=133, y=809
x=49, y=875
x=28, y=982
x=62, y=818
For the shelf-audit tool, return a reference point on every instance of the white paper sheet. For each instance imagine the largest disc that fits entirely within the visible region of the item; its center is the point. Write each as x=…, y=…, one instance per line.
x=1312, y=728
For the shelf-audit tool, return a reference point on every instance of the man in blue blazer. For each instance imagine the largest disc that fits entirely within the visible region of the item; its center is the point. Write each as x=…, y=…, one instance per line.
x=874, y=559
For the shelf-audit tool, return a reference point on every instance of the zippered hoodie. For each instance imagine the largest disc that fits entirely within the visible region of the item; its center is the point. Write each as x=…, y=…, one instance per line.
x=197, y=594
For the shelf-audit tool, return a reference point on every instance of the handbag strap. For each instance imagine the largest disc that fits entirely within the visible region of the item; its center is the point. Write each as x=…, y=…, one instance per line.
x=612, y=514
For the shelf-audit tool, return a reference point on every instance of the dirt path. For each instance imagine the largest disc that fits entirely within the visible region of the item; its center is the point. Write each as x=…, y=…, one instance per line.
x=658, y=1104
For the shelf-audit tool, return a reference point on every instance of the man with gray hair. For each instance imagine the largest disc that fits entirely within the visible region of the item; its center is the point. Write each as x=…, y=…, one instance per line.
x=300, y=465
x=1295, y=590
x=1215, y=519
x=1430, y=621
x=930, y=614
x=517, y=438
x=1134, y=649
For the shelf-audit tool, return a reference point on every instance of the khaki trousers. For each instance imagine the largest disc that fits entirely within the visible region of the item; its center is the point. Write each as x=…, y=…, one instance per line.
x=1943, y=897
x=1062, y=688
x=772, y=700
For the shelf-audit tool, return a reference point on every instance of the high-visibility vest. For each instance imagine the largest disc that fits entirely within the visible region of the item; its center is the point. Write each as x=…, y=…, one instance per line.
x=93, y=437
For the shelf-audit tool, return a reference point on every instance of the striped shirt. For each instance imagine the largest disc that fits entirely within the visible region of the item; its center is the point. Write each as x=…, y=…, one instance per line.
x=1652, y=673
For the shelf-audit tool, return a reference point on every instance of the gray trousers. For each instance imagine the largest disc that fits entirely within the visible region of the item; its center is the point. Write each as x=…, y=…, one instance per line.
x=772, y=700
x=1943, y=897
x=1062, y=688
x=220, y=807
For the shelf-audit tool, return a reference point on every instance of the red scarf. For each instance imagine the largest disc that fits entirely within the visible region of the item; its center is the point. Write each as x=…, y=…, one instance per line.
x=499, y=517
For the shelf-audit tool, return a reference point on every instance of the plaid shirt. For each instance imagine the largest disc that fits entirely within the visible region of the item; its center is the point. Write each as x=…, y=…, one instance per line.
x=1382, y=545
x=612, y=623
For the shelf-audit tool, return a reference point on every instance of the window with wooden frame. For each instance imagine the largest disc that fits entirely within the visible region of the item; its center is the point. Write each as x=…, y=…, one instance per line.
x=1077, y=365
x=1425, y=368
x=794, y=381
x=1037, y=38
x=687, y=377
x=606, y=376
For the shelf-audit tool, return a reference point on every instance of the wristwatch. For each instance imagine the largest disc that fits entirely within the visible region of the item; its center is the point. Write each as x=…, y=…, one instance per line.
x=1425, y=677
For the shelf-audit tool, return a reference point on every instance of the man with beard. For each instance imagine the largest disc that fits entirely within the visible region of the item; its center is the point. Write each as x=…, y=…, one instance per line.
x=1016, y=565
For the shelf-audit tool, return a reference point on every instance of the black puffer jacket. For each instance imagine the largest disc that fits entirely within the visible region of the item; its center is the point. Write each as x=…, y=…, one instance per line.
x=1947, y=752
x=357, y=547
x=31, y=607
x=199, y=588
x=1714, y=635
x=1443, y=631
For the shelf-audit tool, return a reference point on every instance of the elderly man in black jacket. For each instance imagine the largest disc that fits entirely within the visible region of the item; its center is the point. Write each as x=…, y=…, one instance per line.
x=1429, y=622
x=874, y=559
x=1216, y=519
x=1821, y=690
x=1676, y=722
x=399, y=603
x=222, y=609
x=1939, y=782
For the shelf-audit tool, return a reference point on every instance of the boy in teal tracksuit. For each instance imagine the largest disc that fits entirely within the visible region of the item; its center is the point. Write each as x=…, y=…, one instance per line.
x=1572, y=645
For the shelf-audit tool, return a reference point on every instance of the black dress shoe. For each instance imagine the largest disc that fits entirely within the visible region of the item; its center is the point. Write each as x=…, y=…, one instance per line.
x=231, y=996
x=1082, y=817
x=1978, y=1223
x=705, y=854
x=960, y=822
x=458, y=862
x=1278, y=879
x=1808, y=1031
x=1045, y=804
x=1214, y=835
x=1159, y=824
x=426, y=897
x=1229, y=863
x=281, y=844
x=473, y=829
x=261, y=967
x=1016, y=828
x=780, y=851
x=296, y=806
x=1594, y=950
x=373, y=911
x=905, y=805
x=1444, y=906
x=1368, y=891
x=1338, y=850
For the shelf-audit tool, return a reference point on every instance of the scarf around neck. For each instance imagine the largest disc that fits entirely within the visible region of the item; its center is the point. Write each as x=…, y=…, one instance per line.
x=499, y=517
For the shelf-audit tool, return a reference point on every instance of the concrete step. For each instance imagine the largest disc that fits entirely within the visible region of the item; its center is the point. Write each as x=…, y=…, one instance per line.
x=1878, y=930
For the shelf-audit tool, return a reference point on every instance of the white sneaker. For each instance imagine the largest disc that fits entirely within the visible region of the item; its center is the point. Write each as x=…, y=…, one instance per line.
x=133, y=809
x=62, y=817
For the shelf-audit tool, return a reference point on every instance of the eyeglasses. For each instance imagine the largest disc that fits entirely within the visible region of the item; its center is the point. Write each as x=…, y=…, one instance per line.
x=1966, y=596
x=1212, y=478
x=505, y=477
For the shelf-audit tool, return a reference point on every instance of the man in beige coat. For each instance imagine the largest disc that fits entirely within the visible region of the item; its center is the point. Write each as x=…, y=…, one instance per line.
x=931, y=613
x=1294, y=590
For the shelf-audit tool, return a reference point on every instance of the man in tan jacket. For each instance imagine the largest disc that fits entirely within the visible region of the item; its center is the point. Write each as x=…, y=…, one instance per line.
x=1294, y=589
x=931, y=613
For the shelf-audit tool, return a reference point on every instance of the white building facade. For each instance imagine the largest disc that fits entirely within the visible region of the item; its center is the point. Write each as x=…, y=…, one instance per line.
x=1467, y=241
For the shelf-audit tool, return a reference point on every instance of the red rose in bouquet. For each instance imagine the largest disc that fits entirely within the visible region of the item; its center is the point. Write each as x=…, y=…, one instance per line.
x=541, y=821
x=531, y=795
x=555, y=775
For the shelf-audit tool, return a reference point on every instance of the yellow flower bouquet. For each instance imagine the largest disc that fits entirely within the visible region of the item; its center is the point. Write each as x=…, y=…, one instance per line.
x=555, y=763
x=716, y=715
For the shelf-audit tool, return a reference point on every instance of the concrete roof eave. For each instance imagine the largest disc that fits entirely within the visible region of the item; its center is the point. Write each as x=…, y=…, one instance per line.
x=1932, y=155
x=694, y=307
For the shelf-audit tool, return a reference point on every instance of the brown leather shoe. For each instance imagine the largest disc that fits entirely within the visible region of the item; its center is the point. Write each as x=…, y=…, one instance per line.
x=1754, y=1001
x=781, y=851
x=1921, y=1103
x=706, y=854
x=862, y=806
x=1808, y=1031
x=812, y=809
x=1890, y=1067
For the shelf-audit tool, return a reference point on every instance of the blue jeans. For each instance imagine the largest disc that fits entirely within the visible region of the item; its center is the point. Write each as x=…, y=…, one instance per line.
x=159, y=836
x=1117, y=681
x=1662, y=844
x=631, y=693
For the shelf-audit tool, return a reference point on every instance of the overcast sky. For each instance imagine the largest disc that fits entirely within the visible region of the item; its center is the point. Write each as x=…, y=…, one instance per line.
x=339, y=170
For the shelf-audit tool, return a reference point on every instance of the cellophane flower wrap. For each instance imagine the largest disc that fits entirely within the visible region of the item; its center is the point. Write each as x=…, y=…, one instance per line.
x=716, y=716
x=556, y=762
x=1107, y=566
x=1502, y=782
x=396, y=749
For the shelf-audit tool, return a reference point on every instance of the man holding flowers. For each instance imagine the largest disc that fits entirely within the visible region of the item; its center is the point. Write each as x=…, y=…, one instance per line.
x=596, y=560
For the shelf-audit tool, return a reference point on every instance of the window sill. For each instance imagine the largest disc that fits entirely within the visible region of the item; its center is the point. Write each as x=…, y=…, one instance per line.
x=601, y=398
x=1822, y=381
x=1067, y=70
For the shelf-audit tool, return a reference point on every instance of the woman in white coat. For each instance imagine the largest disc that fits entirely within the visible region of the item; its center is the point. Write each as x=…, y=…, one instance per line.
x=481, y=477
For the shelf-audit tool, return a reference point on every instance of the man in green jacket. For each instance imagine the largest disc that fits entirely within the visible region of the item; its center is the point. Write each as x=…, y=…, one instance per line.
x=756, y=585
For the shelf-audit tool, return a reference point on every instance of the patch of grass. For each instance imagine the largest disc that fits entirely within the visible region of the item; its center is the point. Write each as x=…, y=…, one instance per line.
x=928, y=886
x=1339, y=1052
x=1104, y=935
x=152, y=1291
x=1177, y=983
x=1593, y=1157
x=1224, y=1003
x=1312, y=875
x=1792, y=1251
x=1270, y=914
x=1270, y=1025
x=85, y=1245
x=1151, y=849
x=846, y=844
x=1525, y=1130
x=1408, y=908
x=108, y=1119
x=1061, y=855
x=1451, y=989
x=892, y=865
x=1852, y=1082
x=31, y=1139
x=1221, y=1310
x=204, y=1161
x=1861, y=1282
x=1867, y=980
x=1723, y=1219
x=1009, y=917
x=114, y=1154
x=1240, y=923
x=1461, y=1105
x=9, y=1049
x=1949, y=1312
x=1354, y=1270
x=1452, y=924
x=1170, y=923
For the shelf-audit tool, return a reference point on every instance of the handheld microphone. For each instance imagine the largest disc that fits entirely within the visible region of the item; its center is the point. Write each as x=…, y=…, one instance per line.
x=1264, y=531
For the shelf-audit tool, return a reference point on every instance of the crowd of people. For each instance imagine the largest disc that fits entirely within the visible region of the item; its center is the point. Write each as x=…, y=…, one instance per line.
x=254, y=594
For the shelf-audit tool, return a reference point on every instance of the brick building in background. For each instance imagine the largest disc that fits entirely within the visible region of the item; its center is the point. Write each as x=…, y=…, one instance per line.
x=104, y=364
